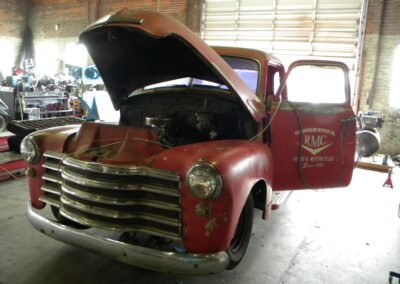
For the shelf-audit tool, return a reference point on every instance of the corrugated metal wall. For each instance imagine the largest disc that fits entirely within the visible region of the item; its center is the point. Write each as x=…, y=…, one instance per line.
x=290, y=29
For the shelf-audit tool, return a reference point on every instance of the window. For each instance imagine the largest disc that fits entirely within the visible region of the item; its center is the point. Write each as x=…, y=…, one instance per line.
x=247, y=70
x=317, y=84
x=47, y=55
x=394, y=97
x=7, y=56
x=75, y=54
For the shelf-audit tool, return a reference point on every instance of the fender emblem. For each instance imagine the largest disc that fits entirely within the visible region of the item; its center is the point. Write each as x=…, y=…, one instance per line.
x=100, y=153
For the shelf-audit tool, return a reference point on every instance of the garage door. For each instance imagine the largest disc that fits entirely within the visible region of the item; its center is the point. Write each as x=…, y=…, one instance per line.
x=289, y=29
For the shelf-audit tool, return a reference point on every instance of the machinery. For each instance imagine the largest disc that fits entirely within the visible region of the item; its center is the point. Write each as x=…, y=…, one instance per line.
x=368, y=134
x=4, y=117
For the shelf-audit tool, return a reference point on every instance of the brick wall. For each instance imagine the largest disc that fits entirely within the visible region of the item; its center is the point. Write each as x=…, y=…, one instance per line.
x=381, y=39
x=60, y=22
x=13, y=15
x=72, y=16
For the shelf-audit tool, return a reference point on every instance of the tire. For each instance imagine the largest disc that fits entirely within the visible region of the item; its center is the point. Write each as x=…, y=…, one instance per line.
x=241, y=238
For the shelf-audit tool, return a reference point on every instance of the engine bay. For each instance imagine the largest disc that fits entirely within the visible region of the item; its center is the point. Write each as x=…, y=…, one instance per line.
x=185, y=116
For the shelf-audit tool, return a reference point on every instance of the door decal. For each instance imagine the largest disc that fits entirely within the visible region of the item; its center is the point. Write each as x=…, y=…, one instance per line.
x=315, y=140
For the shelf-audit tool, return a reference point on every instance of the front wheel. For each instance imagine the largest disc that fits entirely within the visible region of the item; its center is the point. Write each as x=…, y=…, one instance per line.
x=241, y=238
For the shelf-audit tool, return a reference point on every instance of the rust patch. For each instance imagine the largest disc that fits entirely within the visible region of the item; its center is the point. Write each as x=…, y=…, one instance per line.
x=210, y=226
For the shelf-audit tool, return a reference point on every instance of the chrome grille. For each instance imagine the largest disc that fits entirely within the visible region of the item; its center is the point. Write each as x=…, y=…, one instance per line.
x=137, y=199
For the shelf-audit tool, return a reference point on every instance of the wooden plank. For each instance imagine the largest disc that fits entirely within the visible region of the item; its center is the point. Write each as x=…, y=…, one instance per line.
x=375, y=163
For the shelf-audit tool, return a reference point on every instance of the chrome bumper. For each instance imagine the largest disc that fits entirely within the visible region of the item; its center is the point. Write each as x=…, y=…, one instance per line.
x=134, y=255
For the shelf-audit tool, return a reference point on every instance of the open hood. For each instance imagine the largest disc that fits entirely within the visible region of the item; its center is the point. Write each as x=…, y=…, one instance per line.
x=133, y=49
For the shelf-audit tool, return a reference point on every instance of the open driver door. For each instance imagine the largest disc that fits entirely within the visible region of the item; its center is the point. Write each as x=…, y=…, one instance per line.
x=313, y=127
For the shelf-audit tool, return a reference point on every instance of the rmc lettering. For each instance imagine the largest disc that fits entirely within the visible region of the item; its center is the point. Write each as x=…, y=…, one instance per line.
x=315, y=141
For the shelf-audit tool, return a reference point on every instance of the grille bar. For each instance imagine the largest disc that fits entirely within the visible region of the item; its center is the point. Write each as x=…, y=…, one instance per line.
x=52, y=177
x=138, y=199
x=117, y=185
x=51, y=188
x=88, y=220
x=52, y=165
x=53, y=155
x=110, y=200
x=51, y=200
x=116, y=214
x=120, y=170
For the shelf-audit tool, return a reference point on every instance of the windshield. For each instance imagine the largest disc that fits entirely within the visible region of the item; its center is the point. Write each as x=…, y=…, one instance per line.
x=247, y=70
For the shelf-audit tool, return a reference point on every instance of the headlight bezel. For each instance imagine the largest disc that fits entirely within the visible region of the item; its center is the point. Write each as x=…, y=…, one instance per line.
x=211, y=169
x=31, y=159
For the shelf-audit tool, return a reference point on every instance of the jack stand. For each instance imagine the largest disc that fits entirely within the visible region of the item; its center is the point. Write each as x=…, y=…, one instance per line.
x=388, y=181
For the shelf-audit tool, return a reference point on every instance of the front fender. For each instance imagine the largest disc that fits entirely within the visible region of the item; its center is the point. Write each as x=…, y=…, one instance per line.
x=52, y=139
x=241, y=165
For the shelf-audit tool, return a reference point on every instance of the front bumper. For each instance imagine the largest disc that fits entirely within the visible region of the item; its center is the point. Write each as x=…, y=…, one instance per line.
x=131, y=254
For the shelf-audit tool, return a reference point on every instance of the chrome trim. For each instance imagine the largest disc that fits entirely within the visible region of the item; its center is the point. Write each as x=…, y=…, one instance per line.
x=218, y=177
x=36, y=158
x=97, y=196
x=99, y=211
x=52, y=166
x=130, y=254
x=52, y=178
x=104, y=199
x=79, y=218
x=49, y=200
x=84, y=181
x=120, y=170
x=51, y=188
x=53, y=155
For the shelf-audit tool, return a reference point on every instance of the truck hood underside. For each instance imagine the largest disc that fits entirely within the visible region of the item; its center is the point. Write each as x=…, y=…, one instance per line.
x=135, y=49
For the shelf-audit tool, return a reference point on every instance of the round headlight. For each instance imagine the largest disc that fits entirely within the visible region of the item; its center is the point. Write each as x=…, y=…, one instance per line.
x=30, y=150
x=204, y=181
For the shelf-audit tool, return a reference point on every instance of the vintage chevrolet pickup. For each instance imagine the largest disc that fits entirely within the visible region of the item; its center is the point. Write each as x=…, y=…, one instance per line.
x=205, y=136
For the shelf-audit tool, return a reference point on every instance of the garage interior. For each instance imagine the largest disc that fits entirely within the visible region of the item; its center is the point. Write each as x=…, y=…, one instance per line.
x=344, y=235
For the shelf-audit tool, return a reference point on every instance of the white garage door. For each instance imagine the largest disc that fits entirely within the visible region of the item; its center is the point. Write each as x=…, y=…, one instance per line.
x=289, y=29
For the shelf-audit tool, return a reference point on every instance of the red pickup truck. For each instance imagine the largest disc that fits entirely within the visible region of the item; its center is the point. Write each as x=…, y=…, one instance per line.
x=204, y=138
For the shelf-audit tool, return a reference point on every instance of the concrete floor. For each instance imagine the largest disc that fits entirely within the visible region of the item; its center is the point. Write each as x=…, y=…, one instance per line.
x=332, y=236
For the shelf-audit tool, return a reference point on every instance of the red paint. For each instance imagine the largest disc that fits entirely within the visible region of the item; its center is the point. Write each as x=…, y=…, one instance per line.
x=162, y=27
x=240, y=163
x=127, y=145
x=48, y=140
x=3, y=144
x=12, y=166
x=327, y=140
x=327, y=159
